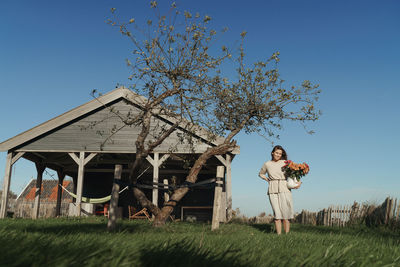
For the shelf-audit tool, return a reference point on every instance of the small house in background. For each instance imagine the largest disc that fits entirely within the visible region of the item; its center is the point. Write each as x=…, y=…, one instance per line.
x=83, y=144
x=26, y=199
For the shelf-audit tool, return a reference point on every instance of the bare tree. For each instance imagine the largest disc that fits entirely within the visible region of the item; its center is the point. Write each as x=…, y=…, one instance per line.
x=177, y=66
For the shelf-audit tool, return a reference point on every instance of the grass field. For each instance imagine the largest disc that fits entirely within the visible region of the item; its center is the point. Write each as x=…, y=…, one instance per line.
x=85, y=242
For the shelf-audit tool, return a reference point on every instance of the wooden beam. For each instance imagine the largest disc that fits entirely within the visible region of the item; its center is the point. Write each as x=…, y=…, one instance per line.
x=35, y=158
x=217, y=198
x=127, y=151
x=160, y=171
x=74, y=157
x=163, y=158
x=6, y=185
x=221, y=159
x=112, y=215
x=89, y=158
x=149, y=159
x=39, y=155
x=40, y=169
x=17, y=157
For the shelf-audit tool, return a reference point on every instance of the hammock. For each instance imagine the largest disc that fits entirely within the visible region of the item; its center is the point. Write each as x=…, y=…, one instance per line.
x=99, y=200
x=93, y=200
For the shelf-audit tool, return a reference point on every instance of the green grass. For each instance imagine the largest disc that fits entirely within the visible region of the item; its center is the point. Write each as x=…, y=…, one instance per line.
x=85, y=242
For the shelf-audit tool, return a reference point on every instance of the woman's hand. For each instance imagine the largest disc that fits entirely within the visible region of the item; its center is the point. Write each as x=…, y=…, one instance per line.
x=298, y=185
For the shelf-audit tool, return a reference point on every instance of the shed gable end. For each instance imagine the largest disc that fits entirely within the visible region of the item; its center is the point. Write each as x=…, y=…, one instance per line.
x=103, y=130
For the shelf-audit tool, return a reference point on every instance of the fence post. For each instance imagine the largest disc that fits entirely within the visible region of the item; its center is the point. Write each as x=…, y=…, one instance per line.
x=112, y=215
x=386, y=214
x=342, y=208
x=330, y=216
x=391, y=209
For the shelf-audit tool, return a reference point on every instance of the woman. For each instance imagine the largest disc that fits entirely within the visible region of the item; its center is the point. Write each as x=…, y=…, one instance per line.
x=280, y=196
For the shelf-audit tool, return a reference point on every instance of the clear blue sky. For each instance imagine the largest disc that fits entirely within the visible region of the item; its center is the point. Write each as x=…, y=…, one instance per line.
x=53, y=53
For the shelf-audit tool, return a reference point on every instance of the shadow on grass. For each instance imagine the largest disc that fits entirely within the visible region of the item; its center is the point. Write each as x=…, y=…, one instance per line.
x=358, y=230
x=265, y=228
x=37, y=252
x=74, y=226
x=190, y=253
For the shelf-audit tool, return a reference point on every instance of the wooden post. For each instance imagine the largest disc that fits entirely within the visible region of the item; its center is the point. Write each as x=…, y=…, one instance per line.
x=228, y=187
x=112, y=215
x=336, y=215
x=155, y=178
x=327, y=217
x=81, y=161
x=330, y=216
x=385, y=205
x=217, y=198
x=156, y=163
x=6, y=186
x=81, y=171
x=344, y=215
x=61, y=176
x=40, y=169
x=11, y=159
x=166, y=196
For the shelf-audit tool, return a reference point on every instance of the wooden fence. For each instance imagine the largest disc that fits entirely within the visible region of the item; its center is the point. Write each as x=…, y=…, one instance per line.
x=23, y=209
x=387, y=212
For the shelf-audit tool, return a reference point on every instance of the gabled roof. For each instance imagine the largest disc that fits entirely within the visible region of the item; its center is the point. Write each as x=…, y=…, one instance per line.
x=48, y=191
x=91, y=106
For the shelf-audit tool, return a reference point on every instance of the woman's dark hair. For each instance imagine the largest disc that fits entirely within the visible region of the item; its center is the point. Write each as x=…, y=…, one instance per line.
x=284, y=155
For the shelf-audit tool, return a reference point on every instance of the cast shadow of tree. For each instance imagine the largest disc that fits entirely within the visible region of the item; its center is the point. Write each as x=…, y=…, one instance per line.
x=265, y=228
x=78, y=228
x=190, y=253
x=359, y=230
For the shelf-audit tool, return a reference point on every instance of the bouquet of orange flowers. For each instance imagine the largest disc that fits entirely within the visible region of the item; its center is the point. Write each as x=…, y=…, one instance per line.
x=294, y=171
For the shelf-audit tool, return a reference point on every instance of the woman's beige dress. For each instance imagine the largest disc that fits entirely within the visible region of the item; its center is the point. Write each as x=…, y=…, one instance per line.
x=280, y=196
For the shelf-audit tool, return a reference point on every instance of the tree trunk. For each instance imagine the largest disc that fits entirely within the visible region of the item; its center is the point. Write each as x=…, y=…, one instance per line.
x=168, y=208
x=145, y=202
x=179, y=193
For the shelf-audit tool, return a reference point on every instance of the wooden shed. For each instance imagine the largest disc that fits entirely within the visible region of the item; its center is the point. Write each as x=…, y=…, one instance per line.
x=83, y=144
x=48, y=202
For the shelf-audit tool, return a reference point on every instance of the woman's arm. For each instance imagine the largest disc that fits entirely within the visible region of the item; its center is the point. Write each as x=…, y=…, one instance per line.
x=262, y=173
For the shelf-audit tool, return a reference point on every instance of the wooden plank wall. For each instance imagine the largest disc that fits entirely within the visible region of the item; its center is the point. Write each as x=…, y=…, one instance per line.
x=24, y=209
x=89, y=132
